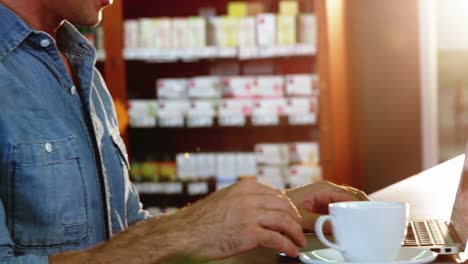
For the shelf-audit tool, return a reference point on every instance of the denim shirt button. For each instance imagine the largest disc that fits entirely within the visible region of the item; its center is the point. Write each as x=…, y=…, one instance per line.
x=48, y=147
x=45, y=43
x=73, y=90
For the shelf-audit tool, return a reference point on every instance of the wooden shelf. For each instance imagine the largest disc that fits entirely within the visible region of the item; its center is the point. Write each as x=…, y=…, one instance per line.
x=166, y=142
x=195, y=54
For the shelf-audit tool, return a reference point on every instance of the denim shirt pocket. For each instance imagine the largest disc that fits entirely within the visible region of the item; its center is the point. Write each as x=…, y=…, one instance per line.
x=49, y=196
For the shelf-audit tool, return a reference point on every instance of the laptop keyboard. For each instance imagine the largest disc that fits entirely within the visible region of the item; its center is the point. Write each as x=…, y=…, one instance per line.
x=423, y=233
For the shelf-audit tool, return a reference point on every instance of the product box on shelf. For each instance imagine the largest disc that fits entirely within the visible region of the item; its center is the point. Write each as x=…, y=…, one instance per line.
x=246, y=164
x=302, y=110
x=266, y=29
x=286, y=33
x=300, y=175
x=197, y=32
x=255, y=8
x=307, y=29
x=247, y=34
x=204, y=87
x=205, y=165
x=269, y=86
x=301, y=84
x=267, y=111
x=300, y=105
x=147, y=34
x=288, y=7
x=186, y=166
x=237, y=107
x=175, y=88
x=226, y=167
x=233, y=112
x=273, y=106
x=238, y=87
x=271, y=154
x=201, y=113
x=214, y=31
x=171, y=113
x=162, y=33
x=272, y=175
x=229, y=35
x=131, y=37
x=149, y=171
x=305, y=153
x=181, y=33
x=167, y=171
x=237, y=9
x=142, y=113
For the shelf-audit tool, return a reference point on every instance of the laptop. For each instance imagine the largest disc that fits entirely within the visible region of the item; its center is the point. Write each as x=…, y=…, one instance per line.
x=442, y=237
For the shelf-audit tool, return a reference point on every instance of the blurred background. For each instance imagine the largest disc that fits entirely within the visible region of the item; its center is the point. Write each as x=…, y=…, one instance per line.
x=289, y=92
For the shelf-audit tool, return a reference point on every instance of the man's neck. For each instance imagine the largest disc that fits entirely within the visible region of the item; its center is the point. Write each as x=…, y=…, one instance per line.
x=35, y=14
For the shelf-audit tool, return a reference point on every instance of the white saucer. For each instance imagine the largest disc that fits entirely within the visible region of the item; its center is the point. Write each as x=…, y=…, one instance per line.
x=407, y=256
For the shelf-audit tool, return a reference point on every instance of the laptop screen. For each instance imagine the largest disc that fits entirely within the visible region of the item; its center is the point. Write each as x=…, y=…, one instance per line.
x=459, y=219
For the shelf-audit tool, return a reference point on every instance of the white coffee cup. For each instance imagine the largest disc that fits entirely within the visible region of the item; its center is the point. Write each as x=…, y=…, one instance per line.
x=366, y=231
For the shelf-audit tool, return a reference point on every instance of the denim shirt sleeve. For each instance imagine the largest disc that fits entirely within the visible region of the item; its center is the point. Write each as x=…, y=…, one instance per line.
x=7, y=254
x=135, y=213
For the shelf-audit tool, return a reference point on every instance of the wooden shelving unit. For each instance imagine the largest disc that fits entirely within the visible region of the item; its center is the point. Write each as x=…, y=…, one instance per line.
x=130, y=75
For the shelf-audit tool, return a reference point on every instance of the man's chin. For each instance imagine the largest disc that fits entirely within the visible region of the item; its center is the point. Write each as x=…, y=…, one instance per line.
x=89, y=22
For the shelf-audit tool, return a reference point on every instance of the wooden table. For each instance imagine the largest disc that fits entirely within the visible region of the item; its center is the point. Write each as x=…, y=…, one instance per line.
x=430, y=194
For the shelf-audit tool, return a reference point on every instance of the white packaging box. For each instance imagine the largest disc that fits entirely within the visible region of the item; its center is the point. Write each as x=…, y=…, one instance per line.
x=162, y=28
x=272, y=175
x=202, y=107
x=229, y=35
x=197, y=32
x=306, y=153
x=300, y=105
x=307, y=29
x=266, y=112
x=226, y=167
x=171, y=113
x=238, y=87
x=266, y=29
x=201, y=113
x=186, y=166
x=142, y=113
x=131, y=34
x=233, y=112
x=181, y=33
x=246, y=164
x=171, y=88
x=269, y=86
x=272, y=154
x=235, y=107
x=204, y=87
x=286, y=33
x=298, y=176
x=147, y=34
x=247, y=36
x=270, y=106
x=301, y=84
x=205, y=165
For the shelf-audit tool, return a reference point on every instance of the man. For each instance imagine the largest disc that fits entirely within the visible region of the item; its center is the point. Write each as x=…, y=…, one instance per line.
x=65, y=196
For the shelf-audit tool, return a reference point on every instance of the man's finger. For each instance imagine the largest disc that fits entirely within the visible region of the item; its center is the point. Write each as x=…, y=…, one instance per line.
x=274, y=240
x=280, y=203
x=282, y=222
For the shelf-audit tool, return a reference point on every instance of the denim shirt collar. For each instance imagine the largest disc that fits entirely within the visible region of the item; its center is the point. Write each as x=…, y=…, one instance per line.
x=13, y=31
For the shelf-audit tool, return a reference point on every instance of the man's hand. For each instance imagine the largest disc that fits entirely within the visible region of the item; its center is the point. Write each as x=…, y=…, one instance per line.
x=312, y=200
x=240, y=218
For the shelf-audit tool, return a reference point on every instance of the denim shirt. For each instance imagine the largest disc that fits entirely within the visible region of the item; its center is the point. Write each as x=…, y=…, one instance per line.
x=64, y=181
